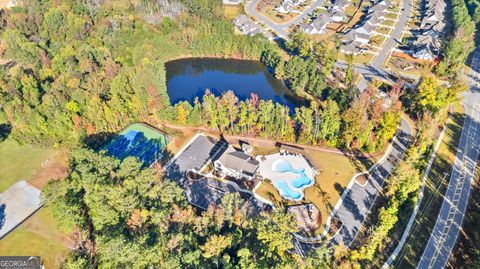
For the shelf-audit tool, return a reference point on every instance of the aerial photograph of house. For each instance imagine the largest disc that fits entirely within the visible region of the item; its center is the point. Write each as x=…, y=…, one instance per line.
x=302, y=134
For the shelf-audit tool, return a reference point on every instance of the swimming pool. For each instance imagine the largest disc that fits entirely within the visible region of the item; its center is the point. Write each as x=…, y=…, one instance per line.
x=293, y=181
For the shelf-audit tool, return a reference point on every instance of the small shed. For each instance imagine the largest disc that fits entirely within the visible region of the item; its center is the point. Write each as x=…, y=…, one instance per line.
x=246, y=147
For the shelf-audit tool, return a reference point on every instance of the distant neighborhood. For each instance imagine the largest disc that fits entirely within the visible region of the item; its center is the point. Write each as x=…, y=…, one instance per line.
x=363, y=30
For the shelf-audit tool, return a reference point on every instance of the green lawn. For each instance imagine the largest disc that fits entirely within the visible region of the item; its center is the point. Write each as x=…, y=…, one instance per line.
x=38, y=236
x=19, y=162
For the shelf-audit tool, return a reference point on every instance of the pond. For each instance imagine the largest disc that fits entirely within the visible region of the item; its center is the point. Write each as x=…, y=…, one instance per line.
x=189, y=78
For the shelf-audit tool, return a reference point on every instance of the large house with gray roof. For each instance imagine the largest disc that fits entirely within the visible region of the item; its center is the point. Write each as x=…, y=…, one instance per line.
x=236, y=163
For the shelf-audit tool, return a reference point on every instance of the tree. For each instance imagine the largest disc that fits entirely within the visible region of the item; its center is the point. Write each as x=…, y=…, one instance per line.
x=215, y=245
x=181, y=114
x=229, y=101
x=275, y=231
x=349, y=75
x=330, y=121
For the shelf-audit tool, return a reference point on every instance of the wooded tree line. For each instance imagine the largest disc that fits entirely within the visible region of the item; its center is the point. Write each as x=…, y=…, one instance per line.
x=401, y=191
x=308, y=66
x=364, y=124
x=474, y=9
x=460, y=42
x=432, y=97
x=89, y=67
x=119, y=215
x=403, y=185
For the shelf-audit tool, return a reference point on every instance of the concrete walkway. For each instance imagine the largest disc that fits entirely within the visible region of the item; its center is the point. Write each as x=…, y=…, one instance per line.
x=17, y=203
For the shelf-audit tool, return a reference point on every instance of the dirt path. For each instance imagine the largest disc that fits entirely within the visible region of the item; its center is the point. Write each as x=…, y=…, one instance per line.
x=270, y=142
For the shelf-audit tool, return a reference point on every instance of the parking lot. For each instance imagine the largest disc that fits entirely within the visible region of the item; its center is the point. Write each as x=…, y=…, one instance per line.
x=195, y=155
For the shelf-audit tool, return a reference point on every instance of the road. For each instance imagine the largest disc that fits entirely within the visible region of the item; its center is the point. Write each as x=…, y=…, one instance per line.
x=359, y=199
x=449, y=221
x=280, y=28
x=375, y=68
x=395, y=35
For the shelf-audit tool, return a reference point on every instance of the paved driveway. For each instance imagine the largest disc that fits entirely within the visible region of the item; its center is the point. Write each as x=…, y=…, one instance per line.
x=17, y=203
x=198, y=152
x=359, y=199
x=449, y=221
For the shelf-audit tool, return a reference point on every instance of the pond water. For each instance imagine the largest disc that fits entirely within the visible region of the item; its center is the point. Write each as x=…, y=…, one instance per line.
x=189, y=78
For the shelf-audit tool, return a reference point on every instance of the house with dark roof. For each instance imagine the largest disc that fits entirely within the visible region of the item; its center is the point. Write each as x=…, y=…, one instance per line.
x=427, y=44
x=236, y=163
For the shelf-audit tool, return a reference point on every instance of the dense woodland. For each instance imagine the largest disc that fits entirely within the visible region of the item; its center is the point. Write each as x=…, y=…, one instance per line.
x=460, y=41
x=87, y=67
x=122, y=216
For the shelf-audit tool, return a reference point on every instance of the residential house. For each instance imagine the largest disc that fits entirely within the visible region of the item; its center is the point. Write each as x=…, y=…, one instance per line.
x=235, y=163
x=338, y=16
x=340, y=5
x=427, y=45
x=287, y=6
x=318, y=26
x=246, y=25
x=354, y=48
x=378, y=9
x=354, y=42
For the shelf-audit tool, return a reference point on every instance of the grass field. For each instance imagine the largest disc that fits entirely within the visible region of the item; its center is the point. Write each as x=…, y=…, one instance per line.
x=433, y=194
x=38, y=236
x=231, y=12
x=336, y=172
x=21, y=162
x=362, y=58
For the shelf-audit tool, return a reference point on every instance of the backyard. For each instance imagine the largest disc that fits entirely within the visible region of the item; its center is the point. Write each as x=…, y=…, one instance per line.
x=336, y=172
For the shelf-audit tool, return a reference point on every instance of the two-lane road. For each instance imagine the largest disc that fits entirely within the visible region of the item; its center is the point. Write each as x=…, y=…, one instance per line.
x=449, y=221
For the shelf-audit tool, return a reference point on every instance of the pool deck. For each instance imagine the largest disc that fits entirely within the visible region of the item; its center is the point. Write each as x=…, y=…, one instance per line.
x=297, y=162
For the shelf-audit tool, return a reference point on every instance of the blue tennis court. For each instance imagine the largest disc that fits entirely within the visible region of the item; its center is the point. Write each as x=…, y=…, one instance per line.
x=138, y=140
